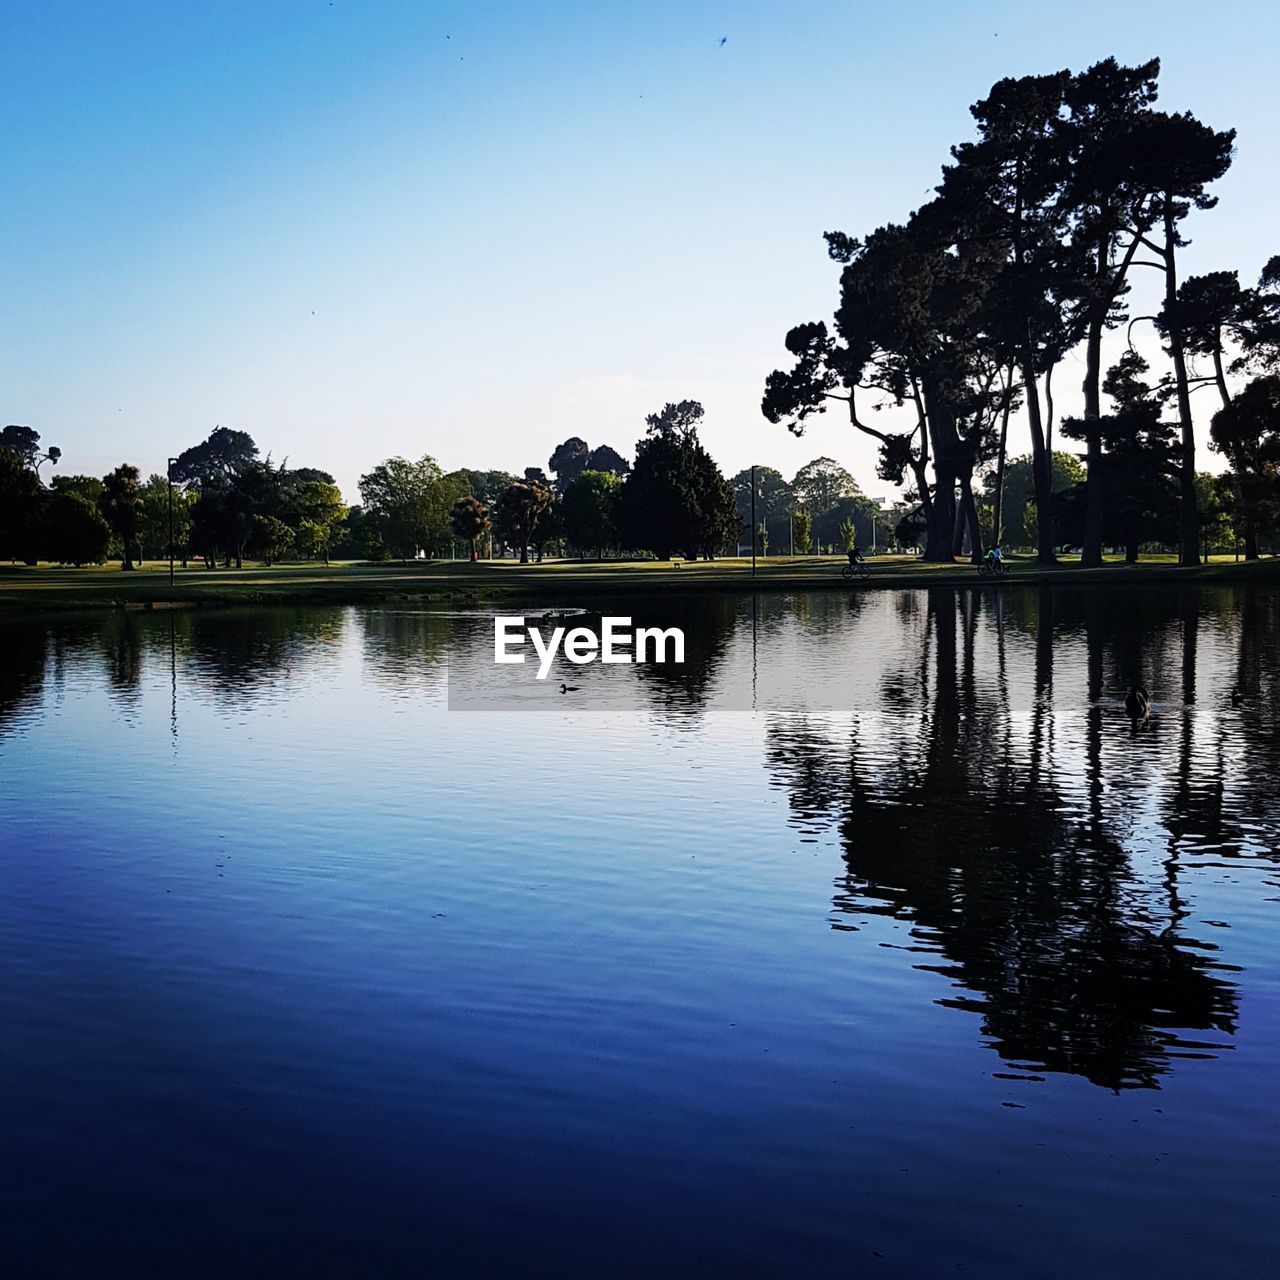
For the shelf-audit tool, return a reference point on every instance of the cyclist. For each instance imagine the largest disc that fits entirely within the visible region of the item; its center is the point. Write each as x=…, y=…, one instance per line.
x=855, y=556
x=995, y=558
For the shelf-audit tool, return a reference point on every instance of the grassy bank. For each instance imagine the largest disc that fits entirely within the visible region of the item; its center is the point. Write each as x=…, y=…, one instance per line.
x=33, y=589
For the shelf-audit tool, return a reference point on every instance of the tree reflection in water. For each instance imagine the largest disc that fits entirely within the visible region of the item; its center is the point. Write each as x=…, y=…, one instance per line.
x=987, y=788
x=1046, y=877
x=22, y=671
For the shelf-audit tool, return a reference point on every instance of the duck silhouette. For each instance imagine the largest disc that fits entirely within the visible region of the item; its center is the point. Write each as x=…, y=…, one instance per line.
x=1137, y=703
x=568, y=688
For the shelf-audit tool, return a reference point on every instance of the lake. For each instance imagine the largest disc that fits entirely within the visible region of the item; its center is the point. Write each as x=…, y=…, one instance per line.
x=876, y=937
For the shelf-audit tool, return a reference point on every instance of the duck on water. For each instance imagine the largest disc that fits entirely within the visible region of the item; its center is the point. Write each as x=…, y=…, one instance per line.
x=1137, y=703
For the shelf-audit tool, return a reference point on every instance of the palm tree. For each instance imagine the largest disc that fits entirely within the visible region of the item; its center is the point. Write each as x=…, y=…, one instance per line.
x=470, y=520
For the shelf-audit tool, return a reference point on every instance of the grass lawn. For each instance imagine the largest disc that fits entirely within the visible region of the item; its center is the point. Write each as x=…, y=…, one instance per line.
x=26, y=589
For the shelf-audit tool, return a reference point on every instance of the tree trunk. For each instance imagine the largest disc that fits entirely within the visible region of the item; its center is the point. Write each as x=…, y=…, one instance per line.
x=1250, y=540
x=1041, y=463
x=1041, y=468
x=997, y=514
x=940, y=529
x=1091, y=553
x=971, y=517
x=926, y=498
x=940, y=516
x=1188, y=517
x=957, y=531
x=1219, y=376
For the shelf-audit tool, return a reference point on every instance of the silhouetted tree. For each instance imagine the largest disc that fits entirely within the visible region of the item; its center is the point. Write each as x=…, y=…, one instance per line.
x=603, y=458
x=75, y=531
x=1208, y=310
x=549, y=530
x=1109, y=210
x=1004, y=194
x=25, y=442
x=470, y=521
x=1136, y=470
x=860, y=357
x=1179, y=158
x=518, y=512
x=219, y=458
x=568, y=462
x=1260, y=333
x=676, y=421
x=1248, y=431
x=121, y=507
x=675, y=496
x=21, y=506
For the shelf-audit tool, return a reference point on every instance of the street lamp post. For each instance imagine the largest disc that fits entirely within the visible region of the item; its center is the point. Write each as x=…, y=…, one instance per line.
x=753, y=522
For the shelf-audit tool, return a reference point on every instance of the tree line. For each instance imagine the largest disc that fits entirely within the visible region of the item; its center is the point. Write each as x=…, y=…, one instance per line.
x=1026, y=254
x=672, y=500
x=221, y=502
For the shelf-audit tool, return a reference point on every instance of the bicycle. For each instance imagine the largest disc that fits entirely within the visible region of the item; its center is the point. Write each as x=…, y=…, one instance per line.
x=859, y=570
x=991, y=568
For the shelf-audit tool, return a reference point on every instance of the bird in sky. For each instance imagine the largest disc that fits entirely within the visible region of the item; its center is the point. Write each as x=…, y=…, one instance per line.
x=723, y=41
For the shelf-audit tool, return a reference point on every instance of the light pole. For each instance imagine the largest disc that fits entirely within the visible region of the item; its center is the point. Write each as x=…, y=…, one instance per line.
x=169, y=473
x=753, y=522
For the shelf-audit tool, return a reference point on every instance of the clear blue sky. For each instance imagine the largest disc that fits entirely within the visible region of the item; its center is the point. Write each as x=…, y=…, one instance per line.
x=471, y=230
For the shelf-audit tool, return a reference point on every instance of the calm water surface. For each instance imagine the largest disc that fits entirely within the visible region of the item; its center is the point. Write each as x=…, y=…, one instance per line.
x=874, y=939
